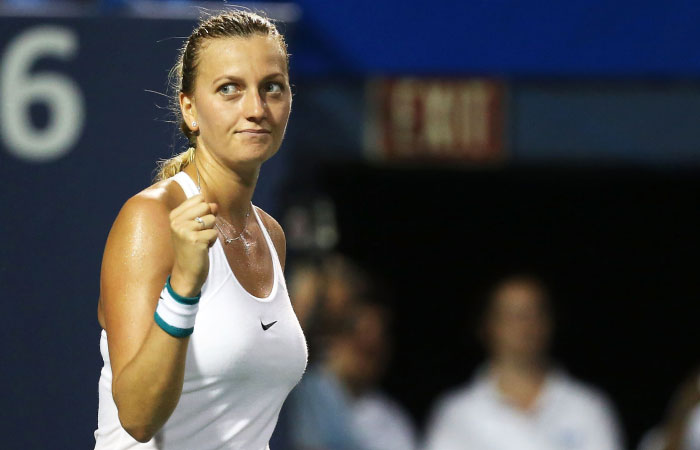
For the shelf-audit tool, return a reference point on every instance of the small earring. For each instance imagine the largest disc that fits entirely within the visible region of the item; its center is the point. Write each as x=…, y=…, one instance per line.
x=194, y=124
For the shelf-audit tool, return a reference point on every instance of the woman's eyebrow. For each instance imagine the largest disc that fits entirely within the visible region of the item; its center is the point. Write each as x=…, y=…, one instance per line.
x=227, y=77
x=240, y=79
x=274, y=75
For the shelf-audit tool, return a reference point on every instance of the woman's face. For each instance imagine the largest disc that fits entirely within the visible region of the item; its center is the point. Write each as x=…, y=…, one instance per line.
x=241, y=100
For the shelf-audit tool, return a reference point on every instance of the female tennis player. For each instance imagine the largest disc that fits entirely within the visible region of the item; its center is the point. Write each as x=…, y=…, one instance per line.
x=200, y=342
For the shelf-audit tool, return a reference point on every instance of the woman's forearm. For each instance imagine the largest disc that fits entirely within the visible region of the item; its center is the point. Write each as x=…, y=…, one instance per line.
x=148, y=388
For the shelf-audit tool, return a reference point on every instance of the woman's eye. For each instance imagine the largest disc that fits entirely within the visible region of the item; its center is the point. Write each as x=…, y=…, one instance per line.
x=228, y=89
x=274, y=88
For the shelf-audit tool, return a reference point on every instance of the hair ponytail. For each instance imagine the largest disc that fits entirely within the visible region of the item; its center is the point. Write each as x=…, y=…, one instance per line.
x=169, y=167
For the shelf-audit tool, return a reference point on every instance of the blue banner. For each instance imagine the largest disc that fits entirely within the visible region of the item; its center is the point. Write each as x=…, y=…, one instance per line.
x=509, y=37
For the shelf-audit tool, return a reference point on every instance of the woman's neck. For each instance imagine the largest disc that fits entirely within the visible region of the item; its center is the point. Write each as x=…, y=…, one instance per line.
x=232, y=190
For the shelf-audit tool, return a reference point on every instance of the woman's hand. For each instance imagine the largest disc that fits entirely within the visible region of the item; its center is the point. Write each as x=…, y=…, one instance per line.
x=191, y=242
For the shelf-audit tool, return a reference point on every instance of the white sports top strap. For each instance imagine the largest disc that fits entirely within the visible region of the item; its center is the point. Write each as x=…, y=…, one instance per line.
x=270, y=245
x=186, y=184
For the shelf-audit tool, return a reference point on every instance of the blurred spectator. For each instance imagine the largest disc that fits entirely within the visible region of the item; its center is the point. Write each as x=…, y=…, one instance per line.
x=518, y=400
x=323, y=293
x=305, y=282
x=681, y=430
x=338, y=404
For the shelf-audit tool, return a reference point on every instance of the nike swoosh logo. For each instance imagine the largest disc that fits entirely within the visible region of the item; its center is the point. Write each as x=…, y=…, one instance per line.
x=265, y=327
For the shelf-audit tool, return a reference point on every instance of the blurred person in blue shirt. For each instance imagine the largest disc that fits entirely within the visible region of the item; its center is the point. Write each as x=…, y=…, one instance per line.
x=339, y=405
x=519, y=400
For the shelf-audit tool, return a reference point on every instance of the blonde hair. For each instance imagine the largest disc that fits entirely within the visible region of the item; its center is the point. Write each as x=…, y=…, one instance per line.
x=230, y=23
x=171, y=166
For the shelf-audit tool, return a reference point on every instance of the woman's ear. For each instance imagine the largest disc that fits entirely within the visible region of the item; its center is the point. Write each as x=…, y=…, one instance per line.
x=189, y=111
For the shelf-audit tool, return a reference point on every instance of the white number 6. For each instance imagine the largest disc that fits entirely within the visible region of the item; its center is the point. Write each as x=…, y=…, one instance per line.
x=19, y=89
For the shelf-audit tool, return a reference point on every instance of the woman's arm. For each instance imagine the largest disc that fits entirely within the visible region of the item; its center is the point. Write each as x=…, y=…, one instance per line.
x=147, y=243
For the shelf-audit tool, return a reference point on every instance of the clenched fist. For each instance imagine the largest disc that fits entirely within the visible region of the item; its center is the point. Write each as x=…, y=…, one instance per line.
x=192, y=230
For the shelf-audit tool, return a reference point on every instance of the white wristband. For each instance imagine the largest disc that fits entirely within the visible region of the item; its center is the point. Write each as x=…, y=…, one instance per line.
x=176, y=314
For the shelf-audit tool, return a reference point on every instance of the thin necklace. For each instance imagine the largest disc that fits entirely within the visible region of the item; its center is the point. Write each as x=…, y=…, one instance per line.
x=228, y=240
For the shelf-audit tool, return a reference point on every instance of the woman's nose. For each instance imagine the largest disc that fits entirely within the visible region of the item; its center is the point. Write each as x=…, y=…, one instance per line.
x=254, y=106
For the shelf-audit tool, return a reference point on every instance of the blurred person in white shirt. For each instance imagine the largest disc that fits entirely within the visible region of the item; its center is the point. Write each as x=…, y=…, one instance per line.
x=518, y=400
x=681, y=429
x=360, y=360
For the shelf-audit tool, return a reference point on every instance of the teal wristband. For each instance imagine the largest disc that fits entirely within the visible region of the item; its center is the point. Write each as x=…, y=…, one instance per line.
x=172, y=330
x=176, y=314
x=180, y=298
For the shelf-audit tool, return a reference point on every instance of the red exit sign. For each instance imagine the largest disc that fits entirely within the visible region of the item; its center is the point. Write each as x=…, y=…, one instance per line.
x=435, y=119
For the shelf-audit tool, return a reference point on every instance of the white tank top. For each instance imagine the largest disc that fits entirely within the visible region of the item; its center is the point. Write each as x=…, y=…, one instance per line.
x=237, y=374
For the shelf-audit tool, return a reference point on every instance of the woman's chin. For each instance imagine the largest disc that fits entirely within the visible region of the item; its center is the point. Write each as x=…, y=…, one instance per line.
x=252, y=159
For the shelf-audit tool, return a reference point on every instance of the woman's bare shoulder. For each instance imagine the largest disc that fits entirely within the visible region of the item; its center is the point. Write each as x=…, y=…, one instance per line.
x=143, y=220
x=162, y=195
x=155, y=202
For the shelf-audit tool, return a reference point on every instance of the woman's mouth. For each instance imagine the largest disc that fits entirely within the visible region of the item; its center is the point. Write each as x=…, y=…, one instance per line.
x=254, y=131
